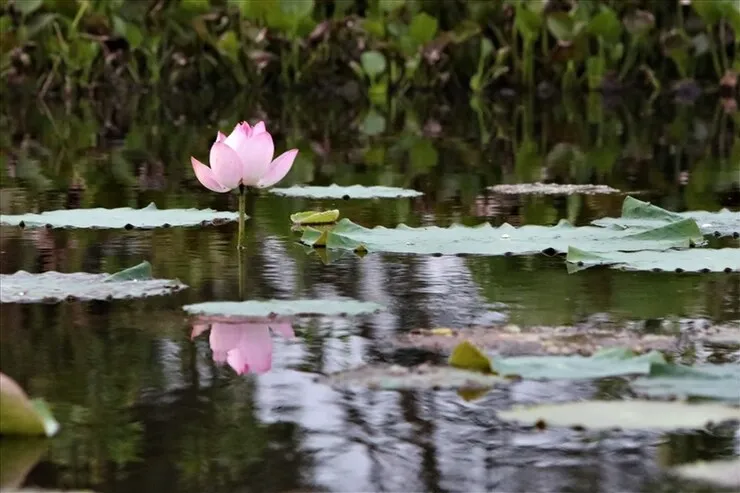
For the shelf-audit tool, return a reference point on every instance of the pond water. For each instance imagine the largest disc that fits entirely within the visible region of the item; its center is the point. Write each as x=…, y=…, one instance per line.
x=142, y=404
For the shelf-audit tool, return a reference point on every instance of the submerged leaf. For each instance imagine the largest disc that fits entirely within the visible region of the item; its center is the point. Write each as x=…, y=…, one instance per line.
x=692, y=260
x=135, y=282
x=21, y=416
x=315, y=217
x=123, y=217
x=634, y=414
x=254, y=308
x=351, y=192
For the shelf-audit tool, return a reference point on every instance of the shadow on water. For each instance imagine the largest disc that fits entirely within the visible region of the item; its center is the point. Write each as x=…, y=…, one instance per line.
x=146, y=406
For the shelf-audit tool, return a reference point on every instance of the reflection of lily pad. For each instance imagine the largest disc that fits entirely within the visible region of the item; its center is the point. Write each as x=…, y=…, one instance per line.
x=395, y=377
x=123, y=217
x=135, y=282
x=693, y=260
x=633, y=414
x=351, y=192
x=706, y=381
x=20, y=415
x=19, y=455
x=514, y=341
x=722, y=473
x=315, y=217
x=551, y=189
x=639, y=214
x=506, y=239
x=271, y=308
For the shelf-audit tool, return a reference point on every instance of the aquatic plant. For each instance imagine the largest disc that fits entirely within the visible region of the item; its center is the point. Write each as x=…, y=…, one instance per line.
x=391, y=46
x=242, y=160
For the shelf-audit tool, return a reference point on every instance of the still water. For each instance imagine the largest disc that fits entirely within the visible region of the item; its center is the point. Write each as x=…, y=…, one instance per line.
x=144, y=400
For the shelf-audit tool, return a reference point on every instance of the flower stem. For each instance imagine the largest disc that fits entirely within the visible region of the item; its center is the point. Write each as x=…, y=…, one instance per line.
x=240, y=266
x=242, y=200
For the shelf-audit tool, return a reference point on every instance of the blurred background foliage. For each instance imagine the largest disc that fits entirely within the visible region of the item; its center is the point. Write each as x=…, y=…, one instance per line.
x=374, y=48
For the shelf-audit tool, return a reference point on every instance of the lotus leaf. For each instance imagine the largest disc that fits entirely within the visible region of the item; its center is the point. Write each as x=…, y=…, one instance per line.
x=122, y=217
x=503, y=240
x=135, y=282
x=351, y=192
x=692, y=260
x=254, y=308
x=633, y=414
x=639, y=214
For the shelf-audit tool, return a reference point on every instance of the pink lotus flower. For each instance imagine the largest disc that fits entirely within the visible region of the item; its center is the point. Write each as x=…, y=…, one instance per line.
x=243, y=158
x=246, y=347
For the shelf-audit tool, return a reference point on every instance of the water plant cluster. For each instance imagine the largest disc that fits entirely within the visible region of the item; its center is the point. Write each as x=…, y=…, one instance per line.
x=387, y=47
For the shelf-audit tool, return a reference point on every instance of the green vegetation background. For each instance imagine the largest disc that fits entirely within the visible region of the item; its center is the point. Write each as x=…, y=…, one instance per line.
x=389, y=47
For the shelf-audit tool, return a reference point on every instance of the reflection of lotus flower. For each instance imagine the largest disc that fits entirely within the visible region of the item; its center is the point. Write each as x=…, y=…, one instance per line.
x=246, y=347
x=243, y=158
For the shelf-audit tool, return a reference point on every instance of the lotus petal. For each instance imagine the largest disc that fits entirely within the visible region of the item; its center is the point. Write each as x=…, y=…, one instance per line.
x=278, y=169
x=206, y=177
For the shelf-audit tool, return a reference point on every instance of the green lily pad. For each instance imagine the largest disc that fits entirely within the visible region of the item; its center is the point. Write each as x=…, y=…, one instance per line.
x=503, y=240
x=123, y=217
x=639, y=214
x=272, y=308
x=609, y=362
x=722, y=473
x=20, y=415
x=706, y=381
x=351, y=192
x=633, y=414
x=551, y=189
x=315, y=217
x=135, y=282
x=394, y=377
x=19, y=455
x=691, y=260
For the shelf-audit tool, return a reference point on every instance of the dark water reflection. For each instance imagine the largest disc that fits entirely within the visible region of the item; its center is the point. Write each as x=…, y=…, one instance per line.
x=146, y=405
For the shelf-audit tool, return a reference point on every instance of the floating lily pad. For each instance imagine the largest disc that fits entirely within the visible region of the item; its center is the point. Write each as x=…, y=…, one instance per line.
x=551, y=189
x=639, y=214
x=351, y=192
x=722, y=473
x=503, y=240
x=633, y=414
x=692, y=260
x=511, y=340
x=135, y=282
x=315, y=217
x=272, y=308
x=123, y=217
x=387, y=377
x=706, y=381
x=610, y=362
x=20, y=415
